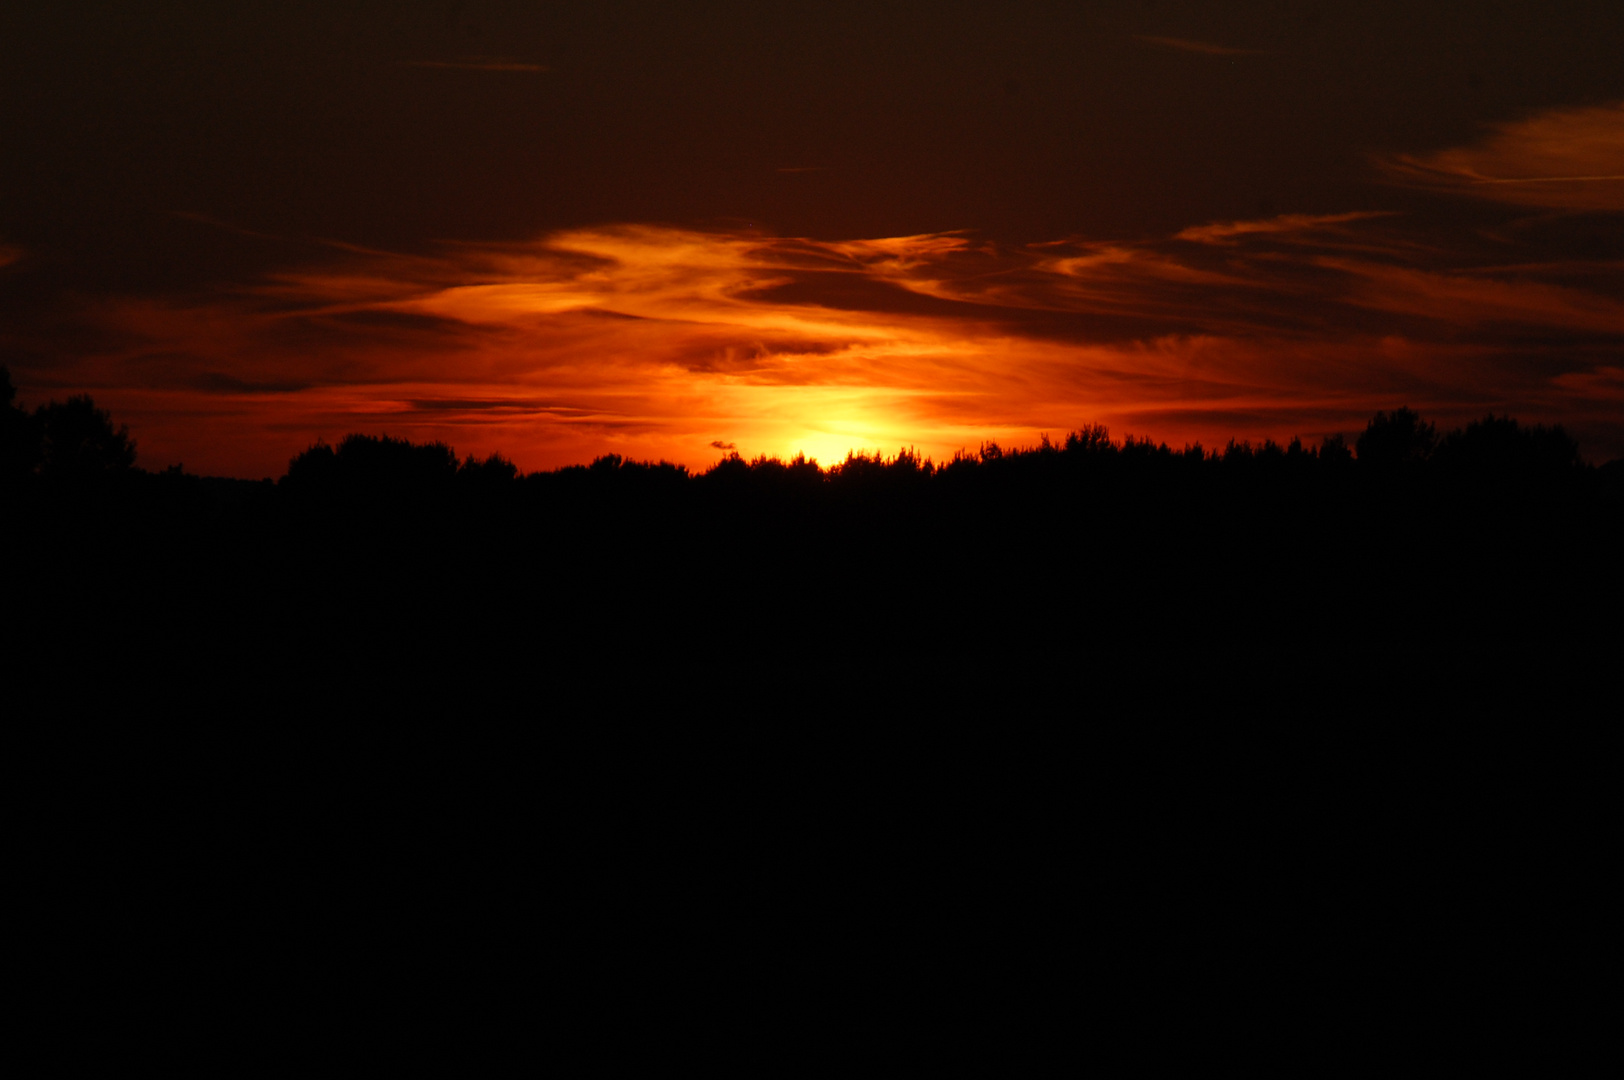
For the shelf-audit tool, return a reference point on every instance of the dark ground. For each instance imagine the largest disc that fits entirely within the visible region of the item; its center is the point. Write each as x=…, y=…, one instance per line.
x=1078, y=757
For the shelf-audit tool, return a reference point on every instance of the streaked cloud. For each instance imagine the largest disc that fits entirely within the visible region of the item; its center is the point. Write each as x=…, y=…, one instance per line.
x=1227, y=232
x=1206, y=48
x=658, y=342
x=1564, y=159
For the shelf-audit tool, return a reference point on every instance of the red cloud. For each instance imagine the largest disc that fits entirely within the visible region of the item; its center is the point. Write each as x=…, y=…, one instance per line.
x=1566, y=159
x=658, y=342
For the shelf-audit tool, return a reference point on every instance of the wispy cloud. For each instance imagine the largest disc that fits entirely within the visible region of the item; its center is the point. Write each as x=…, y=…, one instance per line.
x=227, y=226
x=1206, y=48
x=1566, y=159
x=1227, y=232
x=662, y=342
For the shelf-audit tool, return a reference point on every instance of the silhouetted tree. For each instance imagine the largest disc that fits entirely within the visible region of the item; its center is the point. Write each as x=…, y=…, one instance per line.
x=1397, y=440
x=377, y=464
x=1333, y=450
x=1497, y=448
x=19, y=435
x=494, y=471
x=1094, y=439
x=78, y=440
x=315, y=467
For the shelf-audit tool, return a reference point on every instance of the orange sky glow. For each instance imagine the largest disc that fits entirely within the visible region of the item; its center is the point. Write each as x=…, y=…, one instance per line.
x=1236, y=228
x=659, y=343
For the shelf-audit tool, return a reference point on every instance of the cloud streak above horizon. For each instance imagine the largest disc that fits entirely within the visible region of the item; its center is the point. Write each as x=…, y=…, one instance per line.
x=1564, y=159
x=662, y=342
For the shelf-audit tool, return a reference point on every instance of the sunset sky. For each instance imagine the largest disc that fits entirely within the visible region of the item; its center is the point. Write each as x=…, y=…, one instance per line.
x=668, y=230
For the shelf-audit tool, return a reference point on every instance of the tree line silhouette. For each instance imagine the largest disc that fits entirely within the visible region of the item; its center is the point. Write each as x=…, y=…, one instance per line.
x=73, y=443
x=1495, y=531
x=369, y=680
x=70, y=440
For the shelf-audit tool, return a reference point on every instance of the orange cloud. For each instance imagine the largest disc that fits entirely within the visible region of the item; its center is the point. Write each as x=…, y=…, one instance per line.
x=1227, y=232
x=1564, y=159
x=1475, y=300
x=657, y=342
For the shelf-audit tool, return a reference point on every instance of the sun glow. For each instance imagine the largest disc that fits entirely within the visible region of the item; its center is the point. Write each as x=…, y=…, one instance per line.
x=659, y=343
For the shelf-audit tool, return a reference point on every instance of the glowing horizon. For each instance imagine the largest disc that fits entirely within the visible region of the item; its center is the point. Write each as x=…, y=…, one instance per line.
x=657, y=342
x=565, y=230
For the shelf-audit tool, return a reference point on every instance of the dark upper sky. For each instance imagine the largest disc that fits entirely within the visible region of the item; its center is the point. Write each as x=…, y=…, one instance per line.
x=160, y=148
x=1021, y=120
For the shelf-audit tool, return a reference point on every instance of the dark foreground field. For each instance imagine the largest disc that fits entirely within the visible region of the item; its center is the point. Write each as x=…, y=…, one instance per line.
x=1096, y=753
